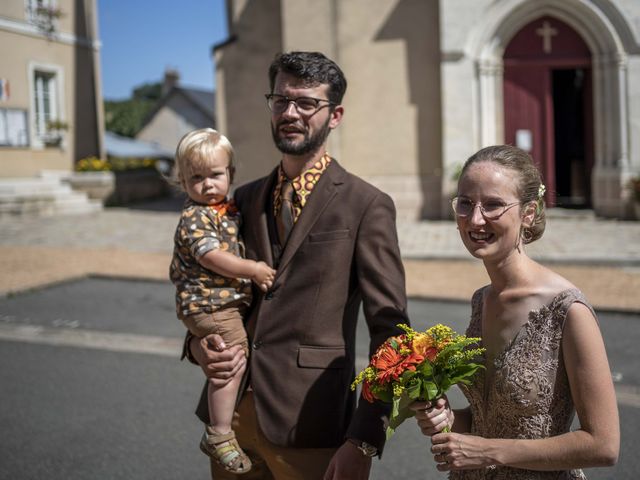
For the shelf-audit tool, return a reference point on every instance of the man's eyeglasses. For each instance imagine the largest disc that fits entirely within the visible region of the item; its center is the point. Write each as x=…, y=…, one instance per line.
x=492, y=210
x=304, y=105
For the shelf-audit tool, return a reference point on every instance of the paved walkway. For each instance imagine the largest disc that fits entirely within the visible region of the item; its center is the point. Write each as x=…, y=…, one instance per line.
x=602, y=257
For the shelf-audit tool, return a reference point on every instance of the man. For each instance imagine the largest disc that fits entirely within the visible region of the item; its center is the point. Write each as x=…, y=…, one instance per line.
x=332, y=239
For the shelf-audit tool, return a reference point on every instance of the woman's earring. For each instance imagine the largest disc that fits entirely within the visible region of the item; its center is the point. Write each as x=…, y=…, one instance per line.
x=518, y=239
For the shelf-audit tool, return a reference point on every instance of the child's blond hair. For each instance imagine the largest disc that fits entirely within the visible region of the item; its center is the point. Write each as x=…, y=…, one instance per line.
x=196, y=149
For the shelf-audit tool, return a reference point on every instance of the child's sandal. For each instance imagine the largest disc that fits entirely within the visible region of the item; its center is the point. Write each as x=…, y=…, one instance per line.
x=225, y=450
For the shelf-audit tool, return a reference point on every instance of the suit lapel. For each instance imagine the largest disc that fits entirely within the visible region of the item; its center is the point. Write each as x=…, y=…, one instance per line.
x=261, y=210
x=325, y=190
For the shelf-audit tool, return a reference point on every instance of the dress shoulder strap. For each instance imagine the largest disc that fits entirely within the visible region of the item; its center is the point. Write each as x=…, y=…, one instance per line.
x=563, y=301
x=475, y=323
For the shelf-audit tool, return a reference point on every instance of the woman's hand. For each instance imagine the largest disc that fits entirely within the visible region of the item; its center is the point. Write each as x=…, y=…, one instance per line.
x=433, y=418
x=454, y=451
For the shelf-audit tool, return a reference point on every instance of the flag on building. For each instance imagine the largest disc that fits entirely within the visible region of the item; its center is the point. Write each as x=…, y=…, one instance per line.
x=4, y=89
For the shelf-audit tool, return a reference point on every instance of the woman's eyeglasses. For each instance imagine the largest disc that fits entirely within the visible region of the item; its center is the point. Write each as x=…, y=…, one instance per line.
x=491, y=210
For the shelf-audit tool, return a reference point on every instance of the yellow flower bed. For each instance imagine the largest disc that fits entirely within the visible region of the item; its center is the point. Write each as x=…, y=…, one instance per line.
x=94, y=164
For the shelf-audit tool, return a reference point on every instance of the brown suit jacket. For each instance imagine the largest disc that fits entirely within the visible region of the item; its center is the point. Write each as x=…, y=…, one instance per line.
x=342, y=253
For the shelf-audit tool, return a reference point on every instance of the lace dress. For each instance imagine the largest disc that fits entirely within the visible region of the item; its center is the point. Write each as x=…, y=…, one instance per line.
x=529, y=397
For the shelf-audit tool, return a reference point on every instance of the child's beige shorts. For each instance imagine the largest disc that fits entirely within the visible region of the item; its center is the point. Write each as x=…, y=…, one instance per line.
x=226, y=322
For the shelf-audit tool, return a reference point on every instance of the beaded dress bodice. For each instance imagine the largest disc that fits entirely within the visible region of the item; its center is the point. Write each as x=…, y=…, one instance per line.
x=528, y=396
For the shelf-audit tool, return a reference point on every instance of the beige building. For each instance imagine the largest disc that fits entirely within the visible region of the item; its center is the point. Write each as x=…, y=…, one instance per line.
x=179, y=111
x=430, y=82
x=50, y=98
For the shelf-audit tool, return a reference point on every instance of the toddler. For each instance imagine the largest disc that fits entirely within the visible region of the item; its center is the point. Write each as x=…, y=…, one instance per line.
x=213, y=281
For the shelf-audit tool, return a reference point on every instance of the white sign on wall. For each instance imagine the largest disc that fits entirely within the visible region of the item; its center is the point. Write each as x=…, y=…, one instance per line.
x=524, y=140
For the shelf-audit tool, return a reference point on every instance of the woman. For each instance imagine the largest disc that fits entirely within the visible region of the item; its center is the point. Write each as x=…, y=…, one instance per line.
x=545, y=358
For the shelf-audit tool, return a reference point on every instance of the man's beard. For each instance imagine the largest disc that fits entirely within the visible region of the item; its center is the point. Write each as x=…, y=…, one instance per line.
x=308, y=145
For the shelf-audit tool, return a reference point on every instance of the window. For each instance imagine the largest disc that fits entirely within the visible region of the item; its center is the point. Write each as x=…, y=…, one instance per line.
x=44, y=14
x=36, y=7
x=47, y=115
x=13, y=128
x=45, y=101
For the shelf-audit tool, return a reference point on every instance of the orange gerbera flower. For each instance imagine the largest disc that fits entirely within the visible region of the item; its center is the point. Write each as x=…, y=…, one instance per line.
x=431, y=353
x=390, y=364
x=367, y=393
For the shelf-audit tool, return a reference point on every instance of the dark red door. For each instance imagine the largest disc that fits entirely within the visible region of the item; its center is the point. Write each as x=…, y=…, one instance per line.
x=526, y=113
x=546, y=68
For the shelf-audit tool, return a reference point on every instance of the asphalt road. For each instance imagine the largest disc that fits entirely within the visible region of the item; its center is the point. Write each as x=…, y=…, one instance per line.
x=92, y=387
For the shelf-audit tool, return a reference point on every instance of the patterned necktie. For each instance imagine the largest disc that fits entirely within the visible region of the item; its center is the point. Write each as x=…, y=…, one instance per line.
x=285, y=216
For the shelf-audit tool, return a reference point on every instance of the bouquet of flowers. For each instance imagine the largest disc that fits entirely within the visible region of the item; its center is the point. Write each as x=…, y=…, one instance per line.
x=417, y=366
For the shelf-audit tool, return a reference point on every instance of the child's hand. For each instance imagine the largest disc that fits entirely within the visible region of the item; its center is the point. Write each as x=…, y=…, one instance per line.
x=263, y=276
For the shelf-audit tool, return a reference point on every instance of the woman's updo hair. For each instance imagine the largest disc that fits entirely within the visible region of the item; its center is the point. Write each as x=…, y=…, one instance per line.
x=530, y=188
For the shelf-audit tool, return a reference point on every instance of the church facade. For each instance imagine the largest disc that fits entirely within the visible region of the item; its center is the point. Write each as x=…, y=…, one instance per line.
x=431, y=82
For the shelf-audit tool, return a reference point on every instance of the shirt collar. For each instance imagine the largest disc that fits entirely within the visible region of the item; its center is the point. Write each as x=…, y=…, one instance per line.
x=303, y=184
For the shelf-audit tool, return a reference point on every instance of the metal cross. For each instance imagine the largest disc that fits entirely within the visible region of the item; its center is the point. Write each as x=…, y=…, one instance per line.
x=546, y=32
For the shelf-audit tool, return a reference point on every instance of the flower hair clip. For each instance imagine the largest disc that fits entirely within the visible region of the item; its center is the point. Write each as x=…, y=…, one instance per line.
x=541, y=190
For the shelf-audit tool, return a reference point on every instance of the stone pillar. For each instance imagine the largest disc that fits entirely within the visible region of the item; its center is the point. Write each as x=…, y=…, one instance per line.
x=611, y=172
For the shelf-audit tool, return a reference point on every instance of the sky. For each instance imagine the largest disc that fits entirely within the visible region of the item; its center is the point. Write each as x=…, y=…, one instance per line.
x=141, y=39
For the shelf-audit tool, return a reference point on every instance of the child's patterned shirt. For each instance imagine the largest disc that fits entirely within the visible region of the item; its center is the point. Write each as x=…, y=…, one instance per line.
x=202, y=229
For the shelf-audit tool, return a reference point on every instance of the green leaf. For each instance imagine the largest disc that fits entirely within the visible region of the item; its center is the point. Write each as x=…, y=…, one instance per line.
x=400, y=411
x=405, y=401
x=406, y=376
x=384, y=395
x=446, y=385
x=397, y=421
x=429, y=390
x=463, y=372
x=395, y=408
x=413, y=390
x=425, y=368
x=390, y=432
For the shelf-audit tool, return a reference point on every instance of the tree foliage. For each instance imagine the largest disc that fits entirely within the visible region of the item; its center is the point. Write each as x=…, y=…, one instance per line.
x=125, y=117
x=148, y=91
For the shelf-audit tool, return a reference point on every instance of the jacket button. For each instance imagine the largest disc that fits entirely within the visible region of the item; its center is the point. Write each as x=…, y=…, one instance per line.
x=268, y=296
x=256, y=345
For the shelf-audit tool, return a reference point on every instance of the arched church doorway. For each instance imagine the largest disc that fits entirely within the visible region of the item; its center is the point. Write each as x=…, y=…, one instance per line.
x=548, y=106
